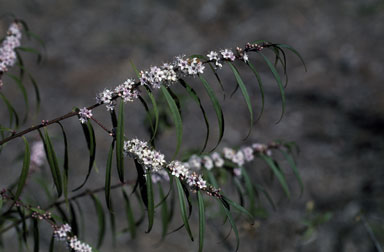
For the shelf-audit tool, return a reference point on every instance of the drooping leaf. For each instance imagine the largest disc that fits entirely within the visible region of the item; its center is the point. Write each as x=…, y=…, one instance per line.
x=260, y=87
x=196, y=98
x=164, y=213
x=141, y=182
x=73, y=222
x=151, y=203
x=249, y=189
x=36, y=89
x=279, y=175
x=120, y=142
x=155, y=111
x=292, y=163
x=217, y=108
x=52, y=161
x=294, y=51
x=65, y=166
x=231, y=221
x=52, y=244
x=36, y=244
x=11, y=110
x=276, y=75
x=20, y=85
x=31, y=50
x=176, y=118
x=129, y=214
x=183, y=209
x=108, y=172
x=24, y=170
x=201, y=220
x=244, y=91
x=112, y=222
x=239, y=208
x=100, y=219
x=266, y=194
x=89, y=134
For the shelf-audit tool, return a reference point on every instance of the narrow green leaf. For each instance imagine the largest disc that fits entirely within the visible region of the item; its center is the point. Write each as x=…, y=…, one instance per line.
x=176, y=118
x=147, y=110
x=52, y=161
x=216, y=106
x=31, y=50
x=141, y=182
x=52, y=244
x=164, y=213
x=151, y=203
x=129, y=213
x=108, y=172
x=294, y=51
x=278, y=80
x=233, y=224
x=277, y=173
x=240, y=208
x=196, y=98
x=65, y=166
x=260, y=87
x=20, y=85
x=24, y=170
x=89, y=134
x=245, y=95
x=249, y=189
x=120, y=142
x=201, y=220
x=37, y=92
x=11, y=110
x=183, y=209
x=36, y=244
x=294, y=169
x=266, y=194
x=112, y=222
x=155, y=111
x=100, y=219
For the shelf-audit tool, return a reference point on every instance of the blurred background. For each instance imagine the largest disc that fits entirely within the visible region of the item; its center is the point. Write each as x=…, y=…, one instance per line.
x=335, y=110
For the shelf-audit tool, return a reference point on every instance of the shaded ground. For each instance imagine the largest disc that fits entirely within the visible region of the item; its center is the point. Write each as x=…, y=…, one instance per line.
x=335, y=111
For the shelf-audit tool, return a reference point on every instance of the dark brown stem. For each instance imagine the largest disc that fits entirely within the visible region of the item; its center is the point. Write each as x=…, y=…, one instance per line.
x=102, y=126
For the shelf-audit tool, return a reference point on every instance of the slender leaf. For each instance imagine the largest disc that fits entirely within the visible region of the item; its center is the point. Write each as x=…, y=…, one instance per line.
x=20, y=85
x=216, y=106
x=100, y=219
x=74, y=223
x=176, y=118
x=65, y=166
x=141, y=181
x=164, y=213
x=37, y=92
x=201, y=220
x=294, y=169
x=196, y=98
x=36, y=244
x=129, y=213
x=89, y=134
x=249, y=189
x=183, y=209
x=294, y=51
x=120, y=142
x=245, y=94
x=278, y=80
x=233, y=224
x=151, y=203
x=240, y=208
x=277, y=173
x=108, y=172
x=266, y=194
x=260, y=87
x=155, y=111
x=31, y=50
x=24, y=170
x=11, y=110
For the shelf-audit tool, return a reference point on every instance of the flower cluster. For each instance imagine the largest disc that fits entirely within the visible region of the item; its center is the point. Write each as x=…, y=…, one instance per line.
x=60, y=233
x=84, y=115
x=63, y=233
x=7, y=50
x=169, y=73
x=151, y=159
x=239, y=157
x=37, y=155
x=77, y=245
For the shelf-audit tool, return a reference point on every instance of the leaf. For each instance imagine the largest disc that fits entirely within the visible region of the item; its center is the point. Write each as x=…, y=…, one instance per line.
x=52, y=161
x=277, y=173
x=239, y=208
x=100, y=219
x=142, y=100
x=112, y=222
x=65, y=166
x=294, y=169
x=23, y=91
x=249, y=189
x=120, y=142
x=74, y=224
x=278, y=80
x=151, y=203
x=11, y=110
x=183, y=210
x=129, y=213
x=260, y=87
x=216, y=106
x=37, y=92
x=196, y=98
x=233, y=224
x=35, y=226
x=24, y=170
x=266, y=194
x=245, y=95
x=89, y=134
x=52, y=244
x=294, y=51
x=108, y=171
x=176, y=118
x=201, y=220
x=155, y=111
x=164, y=213
x=31, y=50
x=141, y=182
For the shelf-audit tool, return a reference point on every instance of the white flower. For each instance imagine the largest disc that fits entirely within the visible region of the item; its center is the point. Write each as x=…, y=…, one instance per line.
x=61, y=232
x=238, y=158
x=228, y=153
x=195, y=162
x=84, y=115
x=245, y=57
x=178, y=169
x=219, y=161
x=207, y=162
x=78, y=246
x=248, y=153
x=105, y=96
x=37, y=153
x=213, y=55
x=228, y=54
x=259, y=147
x=237, y=172
x=9, y=44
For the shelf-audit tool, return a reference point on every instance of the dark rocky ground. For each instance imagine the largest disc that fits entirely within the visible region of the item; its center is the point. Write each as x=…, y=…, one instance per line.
x=335, y=111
